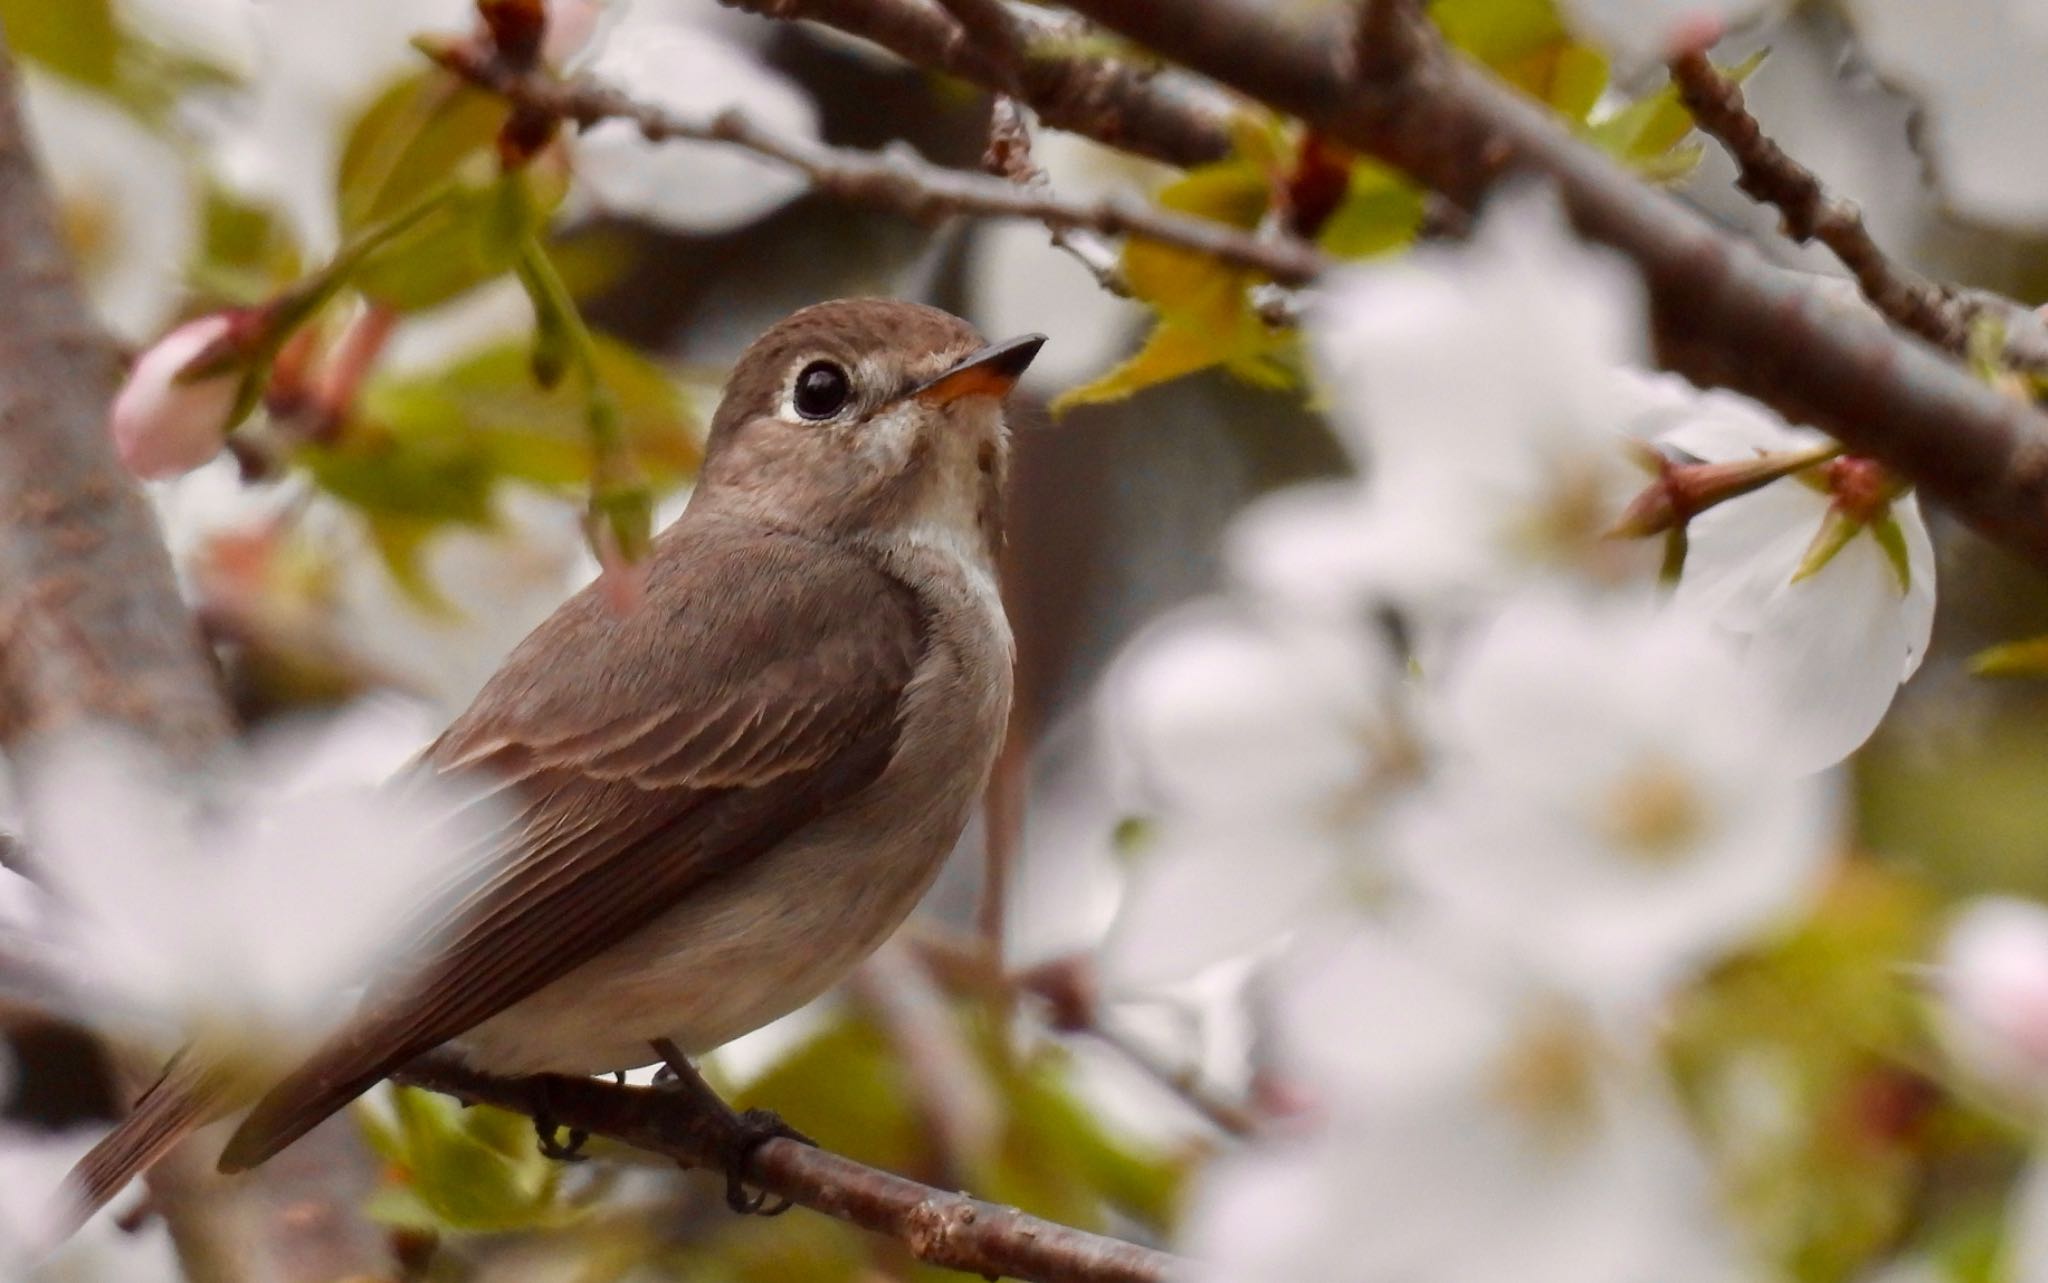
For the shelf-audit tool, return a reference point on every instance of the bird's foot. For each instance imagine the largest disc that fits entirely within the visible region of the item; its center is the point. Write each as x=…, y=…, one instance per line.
x=732, y=1135
x=548, y=1133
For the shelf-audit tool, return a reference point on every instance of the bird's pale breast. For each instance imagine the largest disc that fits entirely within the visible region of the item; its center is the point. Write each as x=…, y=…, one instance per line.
x=769, y=937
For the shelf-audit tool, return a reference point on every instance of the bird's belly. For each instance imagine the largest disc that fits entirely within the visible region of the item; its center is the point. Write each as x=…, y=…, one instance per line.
x=760, y=942
x=746, y=952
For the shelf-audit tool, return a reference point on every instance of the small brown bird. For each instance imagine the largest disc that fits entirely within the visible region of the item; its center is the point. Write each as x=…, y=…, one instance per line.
x=730, y=796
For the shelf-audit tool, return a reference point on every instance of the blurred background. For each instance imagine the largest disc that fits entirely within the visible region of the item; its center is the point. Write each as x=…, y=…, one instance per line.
x=207, y=153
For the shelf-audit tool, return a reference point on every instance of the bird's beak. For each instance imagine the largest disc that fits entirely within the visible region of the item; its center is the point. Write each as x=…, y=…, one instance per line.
x=992, y=371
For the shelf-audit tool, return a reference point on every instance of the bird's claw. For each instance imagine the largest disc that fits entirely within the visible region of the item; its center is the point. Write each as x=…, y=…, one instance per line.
x=750, y=1131
x=548, y=1133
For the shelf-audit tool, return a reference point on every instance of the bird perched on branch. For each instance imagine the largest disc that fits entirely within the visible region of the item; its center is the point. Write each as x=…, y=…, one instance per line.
x=726, y=798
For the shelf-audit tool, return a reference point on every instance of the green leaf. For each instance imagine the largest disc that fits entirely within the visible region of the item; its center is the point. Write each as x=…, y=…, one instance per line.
x=472, y=239
x=1172, y=351
x=844, y=1087
x=1646, y=135
x=2027, y=658
x=246, y=250
x=76, y=39
x=458, y=1169
x=427, y=451
x=1382, y=211
x=1525, y=43
x=411, y=140
x=487, y=406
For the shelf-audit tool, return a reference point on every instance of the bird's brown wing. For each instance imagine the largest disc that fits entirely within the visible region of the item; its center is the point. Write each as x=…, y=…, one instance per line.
x=757, y=687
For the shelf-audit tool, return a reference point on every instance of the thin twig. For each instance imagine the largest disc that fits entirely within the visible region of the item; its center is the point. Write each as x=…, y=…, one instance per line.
x=894, y=181
x=1937, y=312
x=1165, y=115
x=1009, y=156
x=1069, y=989
x=1720, y=315
x=940, y=1228
x=951, y=1092
x=1186, y=1083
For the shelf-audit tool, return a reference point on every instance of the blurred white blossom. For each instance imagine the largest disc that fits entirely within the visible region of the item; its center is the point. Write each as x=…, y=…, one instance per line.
x=1466, y=1130
x=1976, y=66
x=497, y=584
x=1828, y=650
x=222, y=32
x=254, y=911
x=32, y=1163
x=1261, y=746
x=1610, y=804
x=318, y=65
x=1648, y=31
x=126, y=200
x=1477, y=385
x=1992, y=976
x=690, y=69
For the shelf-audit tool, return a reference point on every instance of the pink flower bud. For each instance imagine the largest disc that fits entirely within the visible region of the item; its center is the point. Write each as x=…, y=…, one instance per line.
x=1994, y=979
x=163, y=423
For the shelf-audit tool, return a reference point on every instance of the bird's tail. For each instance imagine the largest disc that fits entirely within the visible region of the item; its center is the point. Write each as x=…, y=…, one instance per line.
x=187, y=1097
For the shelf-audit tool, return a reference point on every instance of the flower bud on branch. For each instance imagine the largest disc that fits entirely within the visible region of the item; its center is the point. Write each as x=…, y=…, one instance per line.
x=180, y=398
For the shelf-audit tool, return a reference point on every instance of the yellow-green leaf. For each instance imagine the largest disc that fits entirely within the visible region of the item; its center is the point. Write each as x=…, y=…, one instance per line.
x=76, y=39
x=410, y=141
x=1172, y=351
x=1646, y=135
x=2027, y=658
x=470, y=239
x=487, y=405
x=1381, y=211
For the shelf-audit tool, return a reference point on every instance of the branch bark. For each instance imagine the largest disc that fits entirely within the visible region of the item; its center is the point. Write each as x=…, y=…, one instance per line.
x=1167, y=116
x=92, y=631
x=950, y=1230
x=1940, y=313
x=891, y=181
x=1721, y=315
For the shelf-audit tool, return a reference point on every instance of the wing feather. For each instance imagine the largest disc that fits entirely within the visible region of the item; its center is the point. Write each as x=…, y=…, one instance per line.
x=775, y=676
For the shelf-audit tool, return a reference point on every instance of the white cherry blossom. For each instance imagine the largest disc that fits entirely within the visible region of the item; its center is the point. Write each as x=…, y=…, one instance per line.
x=318, y=65
x=1262, y=747
x=1976, y=67
x=254, y=912
x=126, y=200
x=1828, y=650
x=692, y=69
x=1609, y=803
x=1476, y=385
x=1648, y=31
x=1465, y=1129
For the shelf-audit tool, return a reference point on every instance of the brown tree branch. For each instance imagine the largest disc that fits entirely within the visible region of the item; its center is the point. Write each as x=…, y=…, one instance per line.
x=92, y=632
x=1164, y=115
x=1001, y=36
x=1720, y=314
x=1937, y=312
x=940, y=1228
x=892, y=181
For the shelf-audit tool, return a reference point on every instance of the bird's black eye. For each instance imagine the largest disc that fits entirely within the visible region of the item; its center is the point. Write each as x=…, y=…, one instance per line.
x=821, y=390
